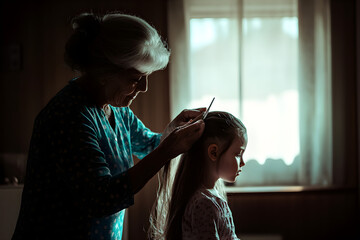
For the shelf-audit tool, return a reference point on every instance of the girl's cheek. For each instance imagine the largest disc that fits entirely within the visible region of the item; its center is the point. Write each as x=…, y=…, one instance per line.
x=238, y=160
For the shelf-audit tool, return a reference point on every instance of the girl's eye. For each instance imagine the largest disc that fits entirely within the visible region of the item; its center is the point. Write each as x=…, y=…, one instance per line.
x=240, y=155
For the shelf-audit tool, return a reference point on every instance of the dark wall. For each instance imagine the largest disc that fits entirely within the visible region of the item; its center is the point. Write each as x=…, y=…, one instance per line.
x=40, y=29
x=310, y=214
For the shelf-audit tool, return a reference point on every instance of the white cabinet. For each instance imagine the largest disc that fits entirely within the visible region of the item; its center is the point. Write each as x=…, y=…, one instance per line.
x=10, y=199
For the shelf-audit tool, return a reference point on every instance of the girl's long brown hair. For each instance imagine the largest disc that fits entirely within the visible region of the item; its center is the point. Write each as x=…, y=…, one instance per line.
x=175, y=190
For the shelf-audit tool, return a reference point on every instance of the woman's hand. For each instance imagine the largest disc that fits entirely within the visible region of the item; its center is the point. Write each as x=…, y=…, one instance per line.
x=183, y=118
x=178, y=137
x=182, y=138
x=178, y=141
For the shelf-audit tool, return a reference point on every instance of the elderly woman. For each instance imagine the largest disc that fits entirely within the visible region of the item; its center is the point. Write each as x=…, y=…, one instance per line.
x=80, y=173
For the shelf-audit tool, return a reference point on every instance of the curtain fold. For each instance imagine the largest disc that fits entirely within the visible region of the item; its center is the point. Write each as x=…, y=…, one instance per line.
x=315, y=93
x=179, y=59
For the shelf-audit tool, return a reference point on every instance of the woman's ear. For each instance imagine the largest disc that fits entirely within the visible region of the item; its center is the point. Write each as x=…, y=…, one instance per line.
x=213, y=151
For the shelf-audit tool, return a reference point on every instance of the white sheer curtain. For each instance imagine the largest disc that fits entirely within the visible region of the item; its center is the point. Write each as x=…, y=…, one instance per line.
x=179, y=61
x=313, y=164
x=315, y=92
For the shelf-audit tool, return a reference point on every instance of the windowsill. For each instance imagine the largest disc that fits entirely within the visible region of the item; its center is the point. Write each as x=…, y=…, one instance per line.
x=284, y=189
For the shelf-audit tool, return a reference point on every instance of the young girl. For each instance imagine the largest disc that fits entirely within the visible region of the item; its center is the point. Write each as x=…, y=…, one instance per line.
x=193, y=205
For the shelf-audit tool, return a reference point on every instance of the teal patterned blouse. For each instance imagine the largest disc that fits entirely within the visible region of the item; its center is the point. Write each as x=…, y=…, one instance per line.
x=76, y=184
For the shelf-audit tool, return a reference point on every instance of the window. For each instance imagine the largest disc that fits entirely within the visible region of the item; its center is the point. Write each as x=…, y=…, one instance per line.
x=246, y=54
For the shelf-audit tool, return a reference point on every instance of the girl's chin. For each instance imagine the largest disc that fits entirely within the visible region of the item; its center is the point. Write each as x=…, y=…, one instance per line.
x=233, y=180
x=230, y=180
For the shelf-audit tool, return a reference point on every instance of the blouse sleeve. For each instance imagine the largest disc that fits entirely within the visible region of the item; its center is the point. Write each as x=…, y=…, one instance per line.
x=143, y=140
x=81, y=166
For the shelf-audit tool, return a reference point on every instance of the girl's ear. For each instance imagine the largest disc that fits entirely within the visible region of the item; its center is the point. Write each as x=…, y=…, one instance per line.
x=213, y=151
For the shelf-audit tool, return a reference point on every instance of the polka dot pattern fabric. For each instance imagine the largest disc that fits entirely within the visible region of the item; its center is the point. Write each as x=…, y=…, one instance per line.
x=76, y=184
x=208, y=217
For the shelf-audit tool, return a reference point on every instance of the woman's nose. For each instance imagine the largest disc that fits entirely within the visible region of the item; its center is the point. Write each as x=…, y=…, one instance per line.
x=143, y=84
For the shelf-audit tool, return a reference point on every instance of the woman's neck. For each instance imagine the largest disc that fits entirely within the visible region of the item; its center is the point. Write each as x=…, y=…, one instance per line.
x=93, y=89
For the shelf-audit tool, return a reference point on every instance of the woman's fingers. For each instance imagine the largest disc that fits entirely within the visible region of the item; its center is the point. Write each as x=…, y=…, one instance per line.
x=189, y=114
x=200, y=116
x=190, y=133
x=182, y=138
x=185, y=118
x=192, y=127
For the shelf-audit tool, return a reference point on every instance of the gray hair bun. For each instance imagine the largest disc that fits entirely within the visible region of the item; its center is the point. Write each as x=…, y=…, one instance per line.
x=87, y=23
x=77, y=50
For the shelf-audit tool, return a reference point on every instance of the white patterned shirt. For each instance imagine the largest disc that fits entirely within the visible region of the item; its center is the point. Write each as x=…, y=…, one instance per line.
x=208, y=217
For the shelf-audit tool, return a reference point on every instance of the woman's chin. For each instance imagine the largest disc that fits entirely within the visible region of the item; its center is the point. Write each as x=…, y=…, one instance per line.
x=129, y=102
x=126, y=102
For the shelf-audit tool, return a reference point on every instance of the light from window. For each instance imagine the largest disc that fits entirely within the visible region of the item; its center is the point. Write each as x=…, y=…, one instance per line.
x=269, y=88
x=214, y=64
x=253, y=75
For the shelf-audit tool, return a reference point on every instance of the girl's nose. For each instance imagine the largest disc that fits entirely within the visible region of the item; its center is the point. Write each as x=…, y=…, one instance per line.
x=242, y=163
x=143, y=84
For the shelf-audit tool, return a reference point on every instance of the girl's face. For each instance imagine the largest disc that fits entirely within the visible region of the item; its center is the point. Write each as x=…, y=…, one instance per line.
x=231, y=161
x=122, y=88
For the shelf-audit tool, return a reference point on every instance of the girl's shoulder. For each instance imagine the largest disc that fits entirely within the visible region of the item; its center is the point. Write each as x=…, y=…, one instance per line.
x=206, y=200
